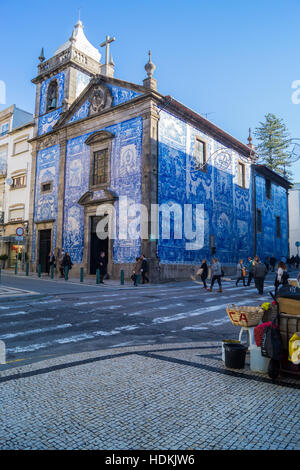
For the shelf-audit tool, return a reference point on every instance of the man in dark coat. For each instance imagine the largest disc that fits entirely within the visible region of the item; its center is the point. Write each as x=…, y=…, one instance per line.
x=259, y=273
x=102, y=266
x=144, y=269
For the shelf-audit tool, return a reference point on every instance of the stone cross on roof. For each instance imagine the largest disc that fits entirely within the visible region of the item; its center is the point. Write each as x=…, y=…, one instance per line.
x=106, y=43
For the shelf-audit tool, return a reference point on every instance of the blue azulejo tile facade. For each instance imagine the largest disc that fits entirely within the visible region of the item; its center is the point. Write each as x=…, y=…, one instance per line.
x=225, y=208
x=46, y=203
x=272, y=236
x=47, y=121
x=125, y=181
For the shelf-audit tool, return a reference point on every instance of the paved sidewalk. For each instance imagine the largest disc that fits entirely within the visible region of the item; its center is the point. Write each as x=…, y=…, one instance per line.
x=153, y=397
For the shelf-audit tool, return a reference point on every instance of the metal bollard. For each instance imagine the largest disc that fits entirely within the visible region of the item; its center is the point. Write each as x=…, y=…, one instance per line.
x=98, y=276
x=0, y=275
x=27, y=269
x=16, y=268
x=122, y=277
x=39, y=270
x=138, y=277
x=66, y=273
x=52, y=271
x=81, y=274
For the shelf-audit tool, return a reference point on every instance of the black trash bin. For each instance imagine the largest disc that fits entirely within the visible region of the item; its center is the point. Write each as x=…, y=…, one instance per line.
x=235, y=355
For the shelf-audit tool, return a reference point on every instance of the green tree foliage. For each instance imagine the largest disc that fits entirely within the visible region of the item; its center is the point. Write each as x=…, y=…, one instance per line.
x=273, y=144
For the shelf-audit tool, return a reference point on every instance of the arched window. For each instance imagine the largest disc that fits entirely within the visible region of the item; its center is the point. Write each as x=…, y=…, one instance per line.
x=52, y=95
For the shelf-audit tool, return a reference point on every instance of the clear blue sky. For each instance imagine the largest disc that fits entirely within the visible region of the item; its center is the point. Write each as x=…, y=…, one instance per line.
x=234, y=59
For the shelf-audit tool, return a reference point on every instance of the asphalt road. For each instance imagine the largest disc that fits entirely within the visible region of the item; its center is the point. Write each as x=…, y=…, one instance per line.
x=75, y=318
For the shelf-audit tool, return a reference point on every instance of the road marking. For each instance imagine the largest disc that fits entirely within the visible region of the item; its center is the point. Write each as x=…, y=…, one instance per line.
x=37, y=330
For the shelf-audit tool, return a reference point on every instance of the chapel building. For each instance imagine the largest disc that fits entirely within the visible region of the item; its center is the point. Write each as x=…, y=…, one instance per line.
x=101, y=142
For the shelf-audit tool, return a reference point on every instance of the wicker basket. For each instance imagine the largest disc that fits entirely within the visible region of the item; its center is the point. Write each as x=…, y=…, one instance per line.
x=244, y=316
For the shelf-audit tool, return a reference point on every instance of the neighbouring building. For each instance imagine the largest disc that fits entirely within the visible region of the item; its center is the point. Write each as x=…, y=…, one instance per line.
x=16, y=128
x=101, y=142
x=272, y=214
x=294, y=219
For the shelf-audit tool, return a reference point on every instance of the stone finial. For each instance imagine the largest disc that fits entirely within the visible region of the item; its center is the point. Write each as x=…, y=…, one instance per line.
x=111, y=62
x=250, y=143
x=150, y=67
x=42, y=56
x=150, y=82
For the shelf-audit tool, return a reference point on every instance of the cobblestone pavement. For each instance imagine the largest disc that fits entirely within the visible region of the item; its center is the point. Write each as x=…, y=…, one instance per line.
x=161, y=397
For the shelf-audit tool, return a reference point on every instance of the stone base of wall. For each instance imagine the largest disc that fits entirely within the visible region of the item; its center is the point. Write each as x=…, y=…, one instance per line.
x=162, y=273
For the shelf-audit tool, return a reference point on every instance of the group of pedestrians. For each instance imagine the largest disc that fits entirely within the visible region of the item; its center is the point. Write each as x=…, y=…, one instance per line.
x=140, y=268
x=216, y=274
x=254, y=269
x=64, y=261
x=257, y=270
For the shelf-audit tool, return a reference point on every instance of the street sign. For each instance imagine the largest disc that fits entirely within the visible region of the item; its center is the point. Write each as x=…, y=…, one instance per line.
x=19, y=239
x=297, y=243
x=20, y=231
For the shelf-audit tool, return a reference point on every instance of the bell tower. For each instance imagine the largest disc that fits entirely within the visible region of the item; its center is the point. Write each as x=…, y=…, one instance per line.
x=63, y=77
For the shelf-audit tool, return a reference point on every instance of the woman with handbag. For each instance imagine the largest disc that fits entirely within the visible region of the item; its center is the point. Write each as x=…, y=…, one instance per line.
x=203, y=272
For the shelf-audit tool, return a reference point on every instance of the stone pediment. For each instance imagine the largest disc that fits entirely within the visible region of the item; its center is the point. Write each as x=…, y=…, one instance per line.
x=99, y=95
x=99, y=136
x=94, y=99
x=97, y=197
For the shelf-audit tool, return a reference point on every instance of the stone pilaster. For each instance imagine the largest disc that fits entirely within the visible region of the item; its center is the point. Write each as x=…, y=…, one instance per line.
x=149, y=184
x=61, y=189
x=34, y=152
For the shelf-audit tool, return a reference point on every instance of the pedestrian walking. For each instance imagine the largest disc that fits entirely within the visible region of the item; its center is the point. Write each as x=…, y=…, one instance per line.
x=61, y=266
x=216, y=274
x=136, y=270
x=102, y=266
x=144, y=269
x=259, y=272
x=250, y=273
x=241, y=273
x=203, y=273
x=267, y=262
x=67, y=262
x=273, y=262
x=51, y=261
x=281, y=276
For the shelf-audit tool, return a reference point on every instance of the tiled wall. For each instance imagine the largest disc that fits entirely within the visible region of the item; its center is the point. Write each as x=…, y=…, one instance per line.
x=267, y=243
x=227, y=206
x=47, y=121
x=125, y=181
x=46, y=204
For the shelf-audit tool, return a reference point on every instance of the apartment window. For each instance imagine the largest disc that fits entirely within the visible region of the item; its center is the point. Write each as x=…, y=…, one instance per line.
x=268, y=189
x=19, y=181
x=4, y=129
x=241, y=174
x=16, y=214
x=278, y=228
x=20, y=147
x=3, y=160
x=259, y=221
x=200, y=153
x=100, y=167
x=46, y=187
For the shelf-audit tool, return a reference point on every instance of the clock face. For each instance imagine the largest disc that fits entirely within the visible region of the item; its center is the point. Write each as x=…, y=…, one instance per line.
x=9, y=181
